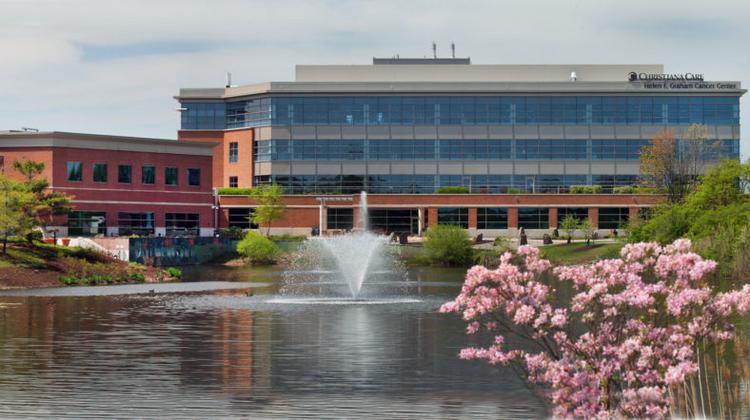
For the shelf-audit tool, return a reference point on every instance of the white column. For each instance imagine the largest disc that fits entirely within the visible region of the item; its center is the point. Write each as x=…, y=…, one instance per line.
x=322, y=218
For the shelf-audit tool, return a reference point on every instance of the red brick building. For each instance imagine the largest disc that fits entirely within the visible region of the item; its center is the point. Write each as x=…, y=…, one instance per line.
x=121, y=185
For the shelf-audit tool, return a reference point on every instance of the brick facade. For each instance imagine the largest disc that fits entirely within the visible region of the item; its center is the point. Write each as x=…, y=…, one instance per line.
x=112, y=197
x=222, y=167
x=303, y=212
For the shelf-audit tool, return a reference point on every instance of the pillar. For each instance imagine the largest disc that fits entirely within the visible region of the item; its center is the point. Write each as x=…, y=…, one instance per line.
x=432, y=216
x=552, y=218
x=357, y=219
x=594, y=216
x=472, y=217
x=512, y=217
x=323, y=218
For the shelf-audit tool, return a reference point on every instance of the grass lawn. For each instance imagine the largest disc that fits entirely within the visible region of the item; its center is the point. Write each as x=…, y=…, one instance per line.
x=579, y=253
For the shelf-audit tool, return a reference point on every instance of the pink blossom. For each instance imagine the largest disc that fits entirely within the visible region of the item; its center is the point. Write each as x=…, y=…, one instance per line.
x=523, y=315
x=612, y=340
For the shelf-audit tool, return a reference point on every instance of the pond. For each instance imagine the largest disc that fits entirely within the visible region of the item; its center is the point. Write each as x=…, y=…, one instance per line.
x=226, y=343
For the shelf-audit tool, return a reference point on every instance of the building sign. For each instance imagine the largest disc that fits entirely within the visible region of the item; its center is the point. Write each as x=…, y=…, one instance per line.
x=634, y=77
x=678, y=81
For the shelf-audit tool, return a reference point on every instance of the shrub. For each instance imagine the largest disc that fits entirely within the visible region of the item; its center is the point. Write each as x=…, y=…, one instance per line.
x=139, y=277
x=288, y=238
x=585, y=189
x=448, y=245
x=453, y=190
x=622, y=347
x=69, y=280
x=174, y=272
x=235, y=191
x=258, y=249
x=635, y=189
x=233, y=233
x=515, y=190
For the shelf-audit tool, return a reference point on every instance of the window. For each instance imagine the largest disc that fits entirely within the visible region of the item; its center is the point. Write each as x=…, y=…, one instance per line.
x=75, y=171
x=100, y=172
x=2, y=163
x=340, y=218
x=533, y=218
x=148, y=174
x=233, y=182
x=124, y=174
x=135, y=223
x=87, y=223
x=194, y=177
x=492, y=218
x=170, y=176
x=458, y=216
x=240, y=217
x=182, y=224
x=394, y=220
x=613, y=217
x=580, y=213
x=233, y=152
x=461, y=109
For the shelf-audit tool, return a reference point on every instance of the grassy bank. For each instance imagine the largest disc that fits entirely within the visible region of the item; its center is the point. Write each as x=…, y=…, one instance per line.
x=579, y=253
x=43, y=265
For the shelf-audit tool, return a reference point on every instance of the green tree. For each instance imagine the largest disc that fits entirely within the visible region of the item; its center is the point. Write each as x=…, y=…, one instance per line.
x=715, y=216
x=13, y=199
x=43, y=203
x=589, y=230
x=271, y=205
x=569, y=224
x=448, y=245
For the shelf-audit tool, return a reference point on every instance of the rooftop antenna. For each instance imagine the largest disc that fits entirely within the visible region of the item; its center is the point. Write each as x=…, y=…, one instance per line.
x=229, y=80
x=434, y=49
x=453, y=50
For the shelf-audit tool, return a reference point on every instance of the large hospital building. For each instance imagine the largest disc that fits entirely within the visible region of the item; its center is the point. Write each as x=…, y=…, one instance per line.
x=516, y=137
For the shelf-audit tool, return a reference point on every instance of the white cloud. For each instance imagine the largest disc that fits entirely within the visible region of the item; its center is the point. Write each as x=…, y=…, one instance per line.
x=48, y=80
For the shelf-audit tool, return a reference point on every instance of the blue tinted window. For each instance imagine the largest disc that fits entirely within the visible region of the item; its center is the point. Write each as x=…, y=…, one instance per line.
x=204, y=115
x=461, y=110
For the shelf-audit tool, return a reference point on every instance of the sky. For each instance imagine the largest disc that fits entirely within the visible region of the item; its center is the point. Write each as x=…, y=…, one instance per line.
x=114, y=66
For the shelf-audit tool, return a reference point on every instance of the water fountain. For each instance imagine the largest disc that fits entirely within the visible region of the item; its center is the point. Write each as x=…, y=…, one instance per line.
x=348, y=259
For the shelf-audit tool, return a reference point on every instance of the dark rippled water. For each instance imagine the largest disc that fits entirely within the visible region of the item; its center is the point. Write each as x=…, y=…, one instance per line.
x=204, y=350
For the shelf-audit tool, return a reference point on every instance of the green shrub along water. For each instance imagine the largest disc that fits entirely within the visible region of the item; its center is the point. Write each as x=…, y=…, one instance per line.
x=447, y=245
x=715, y=216
x=174, y=272
x=257, y=249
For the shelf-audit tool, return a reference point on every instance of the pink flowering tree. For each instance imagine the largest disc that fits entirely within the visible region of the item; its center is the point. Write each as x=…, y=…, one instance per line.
x=625, y=340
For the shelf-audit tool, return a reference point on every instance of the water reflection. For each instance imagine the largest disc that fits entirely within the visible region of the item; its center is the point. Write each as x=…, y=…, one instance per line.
x=222, y=353
x=168, y=355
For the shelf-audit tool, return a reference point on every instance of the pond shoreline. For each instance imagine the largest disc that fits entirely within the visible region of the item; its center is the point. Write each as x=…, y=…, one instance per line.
x=25, y=266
